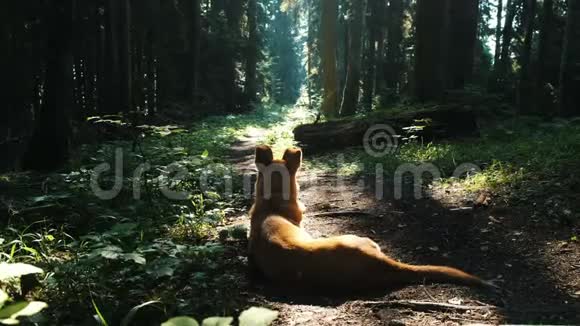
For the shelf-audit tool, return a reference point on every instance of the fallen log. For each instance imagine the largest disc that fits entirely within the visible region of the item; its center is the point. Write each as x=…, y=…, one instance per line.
x=437, y=123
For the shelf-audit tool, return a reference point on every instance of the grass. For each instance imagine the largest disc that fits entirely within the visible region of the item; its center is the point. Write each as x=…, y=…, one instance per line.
x=521, y=153
x=116, y=254
x=119, y=253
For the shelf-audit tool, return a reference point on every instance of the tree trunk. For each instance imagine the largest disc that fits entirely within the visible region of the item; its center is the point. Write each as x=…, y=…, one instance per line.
x=525, y=87
x=309, y=50
x=101, y=87
x=153, y=50
x=394, y=56
x=570, y=72
x=6, y=66
x=252, y=60
x=463, y=18
x=546, y=30
x=342, y=53
x=507, y=35
x=234, y=12
x=126, y=64
x=498, y=30
x=49, y=146
x=445, y=123
x=92, y=59
x=111, y=80
x=431, y=23
x=328, y=42
x=195, y=43
x=352, y=84
x=379, y=24
x=370, y=61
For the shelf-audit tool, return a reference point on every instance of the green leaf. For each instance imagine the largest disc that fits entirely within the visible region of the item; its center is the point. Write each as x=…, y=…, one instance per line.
x=574, y=238
x=3, y=298
x=139, y=259
x=31, y=250
x=256, y=316
x=9, y=321
x=9, y=315
x=213, y=195
x=49, y=198
x=108, y=252
x=8, y=271
x=205, y=154
x=124, y=228
x=99, y=314
x=181, y=321
x=163, y=271
x=129, y=317
x=217, y=321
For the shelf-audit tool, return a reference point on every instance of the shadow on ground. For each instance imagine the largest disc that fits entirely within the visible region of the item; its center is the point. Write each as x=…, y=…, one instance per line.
x=495, y=243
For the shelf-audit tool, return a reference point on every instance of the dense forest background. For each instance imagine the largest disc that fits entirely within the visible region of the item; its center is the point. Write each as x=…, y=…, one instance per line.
x=487, y=87
x=67, y=61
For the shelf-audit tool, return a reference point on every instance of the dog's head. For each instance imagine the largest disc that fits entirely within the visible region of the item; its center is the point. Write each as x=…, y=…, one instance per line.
x=277, y=178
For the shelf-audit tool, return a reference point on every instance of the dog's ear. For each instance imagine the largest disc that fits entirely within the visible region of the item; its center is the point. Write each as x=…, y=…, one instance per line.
x=264, y=156
x=293, y=158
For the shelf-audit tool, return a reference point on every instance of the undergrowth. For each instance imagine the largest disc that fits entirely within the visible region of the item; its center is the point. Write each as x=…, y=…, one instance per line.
x=102, y=257
x=523, y=161
x=141, y=250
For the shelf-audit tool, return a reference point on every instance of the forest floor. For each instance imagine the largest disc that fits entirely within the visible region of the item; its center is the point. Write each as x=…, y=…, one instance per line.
x=538, y=267
x=141, y=258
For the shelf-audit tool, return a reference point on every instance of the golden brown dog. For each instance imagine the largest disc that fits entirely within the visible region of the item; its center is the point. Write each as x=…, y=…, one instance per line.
x=284, y=251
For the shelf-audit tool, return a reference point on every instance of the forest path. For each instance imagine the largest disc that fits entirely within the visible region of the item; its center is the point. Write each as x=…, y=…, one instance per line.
x=540, y=279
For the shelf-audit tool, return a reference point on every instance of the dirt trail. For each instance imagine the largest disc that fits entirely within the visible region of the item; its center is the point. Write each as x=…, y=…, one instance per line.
x=540, y=271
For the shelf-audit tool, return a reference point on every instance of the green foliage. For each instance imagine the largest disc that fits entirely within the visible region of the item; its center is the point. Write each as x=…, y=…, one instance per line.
x=9, y=271
x=103, y=257
x=521, y=158
x=258, y=317
x=9, y=315
x=181, y=321
x=11, y=309
x=254, y=316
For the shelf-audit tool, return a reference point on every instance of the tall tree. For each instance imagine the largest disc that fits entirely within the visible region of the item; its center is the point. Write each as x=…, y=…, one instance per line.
x=310, y=39
x=352, y=84
x=570, y=71
x=370, y=55
x=234, y=12
x=463, y=20
x=252, y=53
x=49, y=147
x=380, y=26
x=546, y=30
x=431, y=25
x=152, y=51
x=342, y=46
x=328, y=42
x=394, y=55
x=503, y=67
x=498, y=32
x=195, y=44
x=112, y=69
x=525, y=87
x=125, y=55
